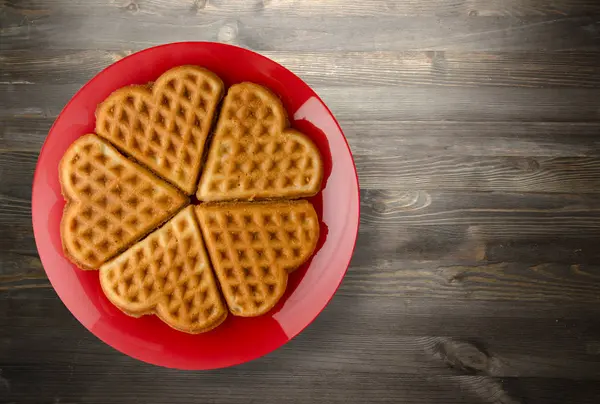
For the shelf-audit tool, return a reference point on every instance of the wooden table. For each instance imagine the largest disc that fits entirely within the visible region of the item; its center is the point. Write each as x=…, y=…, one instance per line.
x=475, y=125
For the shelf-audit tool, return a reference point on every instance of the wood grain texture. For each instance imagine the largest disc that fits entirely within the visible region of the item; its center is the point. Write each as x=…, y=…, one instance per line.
x=123, y=27
x=378, y=103
x=405, y=345
x=516, y=174
x=473, y=228
x=372, y=139
x=356, y=69
x=475, y=125
x=316, y=7
x=406, y=173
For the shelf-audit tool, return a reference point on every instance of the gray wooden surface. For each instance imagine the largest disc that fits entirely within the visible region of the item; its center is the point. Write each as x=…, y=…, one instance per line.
x=475, y=126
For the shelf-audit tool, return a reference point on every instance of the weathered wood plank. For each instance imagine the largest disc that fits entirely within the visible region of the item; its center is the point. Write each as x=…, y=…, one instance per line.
x=475, y=241
x=438, y=232
x=357, y=69
x=456, y=246
x=544, y=284
x=119, y=29
x=496, y=216
x=549, y=283
x=414, y=243
x=473, y=228
x=378, y=138
x=295, y=387
x=340, y=8
x=487, y=214
x=518, y=139
x=428, y=245
x=492, y=104
x=399, y=344
x=420, y=316
x=491, y=174
x=407, y=173
x=461, y=104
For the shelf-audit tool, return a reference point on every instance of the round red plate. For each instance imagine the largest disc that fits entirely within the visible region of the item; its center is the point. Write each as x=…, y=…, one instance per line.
x=237, y=340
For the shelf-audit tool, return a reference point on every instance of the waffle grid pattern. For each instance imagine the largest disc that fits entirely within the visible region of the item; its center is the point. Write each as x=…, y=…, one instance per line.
x=165, y=128
x=254, y=246
x=254, y=156
x=112, y=201
x=167, y=273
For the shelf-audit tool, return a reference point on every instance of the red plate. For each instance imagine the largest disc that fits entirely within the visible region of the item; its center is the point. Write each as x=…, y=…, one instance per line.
x=237, y=340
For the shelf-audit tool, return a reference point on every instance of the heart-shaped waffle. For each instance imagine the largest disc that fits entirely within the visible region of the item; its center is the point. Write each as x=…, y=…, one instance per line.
x=111, y=201
x=254, y=155
x=167, y=273
x=164, y=128
x=253, y=246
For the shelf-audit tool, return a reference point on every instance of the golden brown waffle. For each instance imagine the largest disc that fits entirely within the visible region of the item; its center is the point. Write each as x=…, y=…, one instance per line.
x=111, y=201
x=164, y=128
x=254, y=156
x=253, y=246
x=167, y=273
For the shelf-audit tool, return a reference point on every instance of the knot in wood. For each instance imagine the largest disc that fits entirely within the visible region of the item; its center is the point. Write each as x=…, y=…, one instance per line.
x=198, y=5
x=463, y=356
x=527, y=164
x=132, y=6
x=228, y=33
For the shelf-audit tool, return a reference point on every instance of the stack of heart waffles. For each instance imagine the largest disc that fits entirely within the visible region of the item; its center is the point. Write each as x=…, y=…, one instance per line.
x=127, y=190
